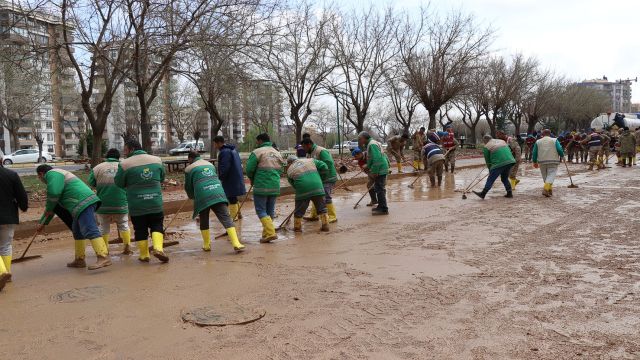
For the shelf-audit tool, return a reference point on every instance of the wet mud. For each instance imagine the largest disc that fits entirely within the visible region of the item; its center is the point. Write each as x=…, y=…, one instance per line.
x=439, y=278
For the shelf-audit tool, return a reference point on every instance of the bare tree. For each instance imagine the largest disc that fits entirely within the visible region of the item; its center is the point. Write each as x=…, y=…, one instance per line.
x=578, y=106
x=439, y=53
x=23, y=90
x=294, y=54
x=183, y=107
x=473, y=103
x=507, y=82
x=542, y=99
x=99, y=55
x=160, y=30
x=404, y=100
x=364, y=45
x=324, y=120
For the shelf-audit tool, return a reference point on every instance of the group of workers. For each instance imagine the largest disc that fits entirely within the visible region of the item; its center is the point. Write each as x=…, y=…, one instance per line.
x=132, y=188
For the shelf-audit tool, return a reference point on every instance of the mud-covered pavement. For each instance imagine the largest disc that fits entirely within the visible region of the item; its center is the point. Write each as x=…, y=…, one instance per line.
x=441, y=277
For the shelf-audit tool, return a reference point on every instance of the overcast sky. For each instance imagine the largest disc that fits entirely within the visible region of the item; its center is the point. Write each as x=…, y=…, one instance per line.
x=583, y=39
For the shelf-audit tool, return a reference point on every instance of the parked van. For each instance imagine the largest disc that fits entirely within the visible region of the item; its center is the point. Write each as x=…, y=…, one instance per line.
x=186, y=147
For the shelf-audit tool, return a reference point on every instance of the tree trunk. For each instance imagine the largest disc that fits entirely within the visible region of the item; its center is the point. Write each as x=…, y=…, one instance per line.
x=16, y=141
x=531, y=124
x=492, y=124
x=145, y=128
x=96, y=155
x=166, y=94
x=474, y=138
x=432, y=118
x=299, y=126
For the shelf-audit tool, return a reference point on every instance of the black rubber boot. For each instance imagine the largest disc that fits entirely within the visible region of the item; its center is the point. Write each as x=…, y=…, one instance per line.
x=439, y=181
x=509, y=195
x=482, y=194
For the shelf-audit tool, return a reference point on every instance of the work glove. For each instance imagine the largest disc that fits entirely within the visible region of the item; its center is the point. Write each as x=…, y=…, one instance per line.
x=536, y=165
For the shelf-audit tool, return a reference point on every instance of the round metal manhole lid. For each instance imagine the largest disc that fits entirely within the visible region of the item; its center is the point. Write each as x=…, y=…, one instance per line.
x=222, y=315
x=82, y=294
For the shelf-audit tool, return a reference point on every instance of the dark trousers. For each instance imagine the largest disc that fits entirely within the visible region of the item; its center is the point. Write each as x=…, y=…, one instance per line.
x=303, y=204
x=64, y=215
x=222, y=213
x=380, y=183
x=144, y=224
x=233, y=200
x=501, y=172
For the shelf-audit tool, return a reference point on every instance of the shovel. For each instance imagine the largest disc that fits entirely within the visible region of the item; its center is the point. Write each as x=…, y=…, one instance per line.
x=572, y=186
x=27, y=258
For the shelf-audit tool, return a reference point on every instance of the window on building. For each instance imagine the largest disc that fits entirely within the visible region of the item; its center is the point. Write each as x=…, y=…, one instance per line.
x=50, y=149
x=48, y=125
x=49, y=137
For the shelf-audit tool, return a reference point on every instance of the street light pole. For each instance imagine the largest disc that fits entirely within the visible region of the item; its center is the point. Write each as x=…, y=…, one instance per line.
x=338, y=122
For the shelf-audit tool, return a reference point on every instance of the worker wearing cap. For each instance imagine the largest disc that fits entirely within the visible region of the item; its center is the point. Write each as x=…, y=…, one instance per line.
x=304, y=177
x=547, y=153
x=114, y=206
x=449, y=146
x=419, y=140
x=263, y=169
x=77, y=198
x=396, y=145
x=329, y=178
x=593, y=143
x=360, y=157
x=434, y=159
x=378, y=166
x=499, y=160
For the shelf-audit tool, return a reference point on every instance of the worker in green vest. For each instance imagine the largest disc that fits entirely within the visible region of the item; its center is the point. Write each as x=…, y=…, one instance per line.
x=264, y=168
x=67, y=190
x=114, y=206
x=304, y=176
x=203, y=186
x=329, y=180
x=141, y=175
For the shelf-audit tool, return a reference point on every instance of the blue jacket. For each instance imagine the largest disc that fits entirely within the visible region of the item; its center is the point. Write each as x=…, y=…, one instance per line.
x=230, y=171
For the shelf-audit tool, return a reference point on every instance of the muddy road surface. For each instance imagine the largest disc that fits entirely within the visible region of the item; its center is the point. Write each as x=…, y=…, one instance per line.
x=439, y=278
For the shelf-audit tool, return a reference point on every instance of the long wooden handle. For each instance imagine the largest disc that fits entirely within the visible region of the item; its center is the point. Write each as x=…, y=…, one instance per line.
x=176, y=215
x=28, y=246
x=242, y=203
x=363, y=195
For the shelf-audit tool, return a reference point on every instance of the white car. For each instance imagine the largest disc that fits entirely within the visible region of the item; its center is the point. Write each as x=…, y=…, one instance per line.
x=27, y=156
x=186, y=147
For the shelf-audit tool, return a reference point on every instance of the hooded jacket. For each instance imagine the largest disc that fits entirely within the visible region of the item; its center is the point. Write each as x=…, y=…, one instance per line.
x=12, y=197
x=230, y=171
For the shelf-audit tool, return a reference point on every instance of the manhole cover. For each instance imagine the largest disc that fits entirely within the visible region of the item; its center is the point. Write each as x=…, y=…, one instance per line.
x=222, y=315
x=82, y=294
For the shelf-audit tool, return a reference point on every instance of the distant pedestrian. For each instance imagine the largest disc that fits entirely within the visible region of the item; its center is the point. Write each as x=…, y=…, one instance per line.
x=419, y=140
x=499, y=160
x=395, y=147
x=547, y=153
x=12, y=197
x=627, y=147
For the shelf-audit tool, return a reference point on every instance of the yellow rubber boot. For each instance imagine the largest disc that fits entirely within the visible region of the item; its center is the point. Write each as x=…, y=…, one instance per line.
x=3, y=267
x=313, y=216
x=416, y=165
x=126, y=240
x=233, y=238
x=101, y=252
x=106, y=241
x=333, y=217
x=399, y=165
x=297, y=224
x=78, y=261
x=143, y=247
x=324, y=219
x=513, y=183
x=206, y=240
x=233, y=211
x=6, y=260
x=550, y=189
x=158, y=246
x=269, y=230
